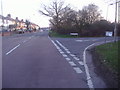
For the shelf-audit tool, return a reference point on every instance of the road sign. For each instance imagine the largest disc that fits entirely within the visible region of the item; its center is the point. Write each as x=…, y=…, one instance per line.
x=108, y=33
x=74, y=34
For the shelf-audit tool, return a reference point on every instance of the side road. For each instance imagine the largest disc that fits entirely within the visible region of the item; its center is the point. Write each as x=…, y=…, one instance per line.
x=108, y=76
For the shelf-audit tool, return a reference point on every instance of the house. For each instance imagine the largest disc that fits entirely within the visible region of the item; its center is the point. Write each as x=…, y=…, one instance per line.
x=8, y=24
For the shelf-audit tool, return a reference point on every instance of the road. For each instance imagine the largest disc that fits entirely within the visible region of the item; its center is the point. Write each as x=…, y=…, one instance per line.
x=34, y=60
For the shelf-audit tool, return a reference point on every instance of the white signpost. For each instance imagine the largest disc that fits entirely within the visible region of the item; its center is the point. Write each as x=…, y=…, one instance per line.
x=108, y=33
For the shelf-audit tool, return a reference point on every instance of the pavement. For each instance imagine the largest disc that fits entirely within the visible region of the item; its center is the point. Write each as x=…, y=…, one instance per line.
x=34, y=60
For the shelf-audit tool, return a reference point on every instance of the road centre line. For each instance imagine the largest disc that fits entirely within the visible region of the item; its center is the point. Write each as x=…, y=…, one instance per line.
x=81, y=63
x=76, y=58
x=72, y=55
x=28, y=39
x=12, y=49
x=83, y=40
x=64, y=55
x=18, y=45
x=68, y=52
x=61, y=52
x=77, y=69
x=68, y=59
x=63, y=46
x=72, y=63
x=24, y=41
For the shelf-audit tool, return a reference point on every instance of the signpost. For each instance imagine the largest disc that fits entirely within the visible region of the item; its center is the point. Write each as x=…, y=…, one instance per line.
x=108, y=34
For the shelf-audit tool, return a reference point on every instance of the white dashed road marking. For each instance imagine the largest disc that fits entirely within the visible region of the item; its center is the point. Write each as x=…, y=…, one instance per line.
x=68, y=52
x=18, y=45
x=72, y=63
x=72, y=55
x=12, y=49
x=61, y=52
x=64, y=55
x=81, y=63
x=76, y=58
x=77, y=69
x=24, y=41
x=83, y=40
x=68, y=59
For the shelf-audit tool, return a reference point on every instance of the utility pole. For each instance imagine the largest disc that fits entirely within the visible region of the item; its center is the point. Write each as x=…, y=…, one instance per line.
x=119, y=11
x=115, y=28
x=2, y=17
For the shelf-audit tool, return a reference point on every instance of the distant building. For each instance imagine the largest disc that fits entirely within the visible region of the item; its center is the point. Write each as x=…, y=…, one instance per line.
x=9, y=24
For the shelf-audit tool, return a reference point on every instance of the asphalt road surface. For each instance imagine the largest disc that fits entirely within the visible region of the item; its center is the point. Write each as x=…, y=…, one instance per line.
x=33, y=60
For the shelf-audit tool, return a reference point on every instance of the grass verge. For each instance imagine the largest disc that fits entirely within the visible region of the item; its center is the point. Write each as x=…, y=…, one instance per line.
x=105, y=58
x=109, y=54
x=54, y=34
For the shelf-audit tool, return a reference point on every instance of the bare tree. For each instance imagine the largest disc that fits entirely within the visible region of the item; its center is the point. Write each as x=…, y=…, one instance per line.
x=65, y=20
x=90, y=14
x=54, y=10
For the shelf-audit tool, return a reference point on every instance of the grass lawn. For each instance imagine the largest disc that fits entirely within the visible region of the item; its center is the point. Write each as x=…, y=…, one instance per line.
x=109, y=54
x=54, y=34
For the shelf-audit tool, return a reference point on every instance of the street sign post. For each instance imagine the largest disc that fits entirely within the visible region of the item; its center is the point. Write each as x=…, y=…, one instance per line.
x=108, y=34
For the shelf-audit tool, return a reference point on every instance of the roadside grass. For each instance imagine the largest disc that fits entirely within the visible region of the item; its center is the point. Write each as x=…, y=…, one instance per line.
x=54, y=34
x=109, y=54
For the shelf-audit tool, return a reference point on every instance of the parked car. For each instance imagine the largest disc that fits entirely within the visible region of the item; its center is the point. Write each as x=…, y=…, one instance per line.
x=20, y=31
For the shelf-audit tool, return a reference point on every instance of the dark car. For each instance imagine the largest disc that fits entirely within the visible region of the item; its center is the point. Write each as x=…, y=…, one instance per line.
x=20, y=31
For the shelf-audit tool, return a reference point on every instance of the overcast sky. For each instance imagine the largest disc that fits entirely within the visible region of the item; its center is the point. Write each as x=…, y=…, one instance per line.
x=28, y=9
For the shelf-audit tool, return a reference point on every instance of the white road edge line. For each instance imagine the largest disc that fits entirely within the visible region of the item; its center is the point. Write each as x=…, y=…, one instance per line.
x=12, y=49
x=89, y=80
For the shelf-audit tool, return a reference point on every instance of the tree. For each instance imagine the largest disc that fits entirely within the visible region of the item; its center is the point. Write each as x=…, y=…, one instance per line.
x=93, y=14
x=88, y=15
x=9, y=15
x=65, y=20
x=27, y=24
x=54, y=10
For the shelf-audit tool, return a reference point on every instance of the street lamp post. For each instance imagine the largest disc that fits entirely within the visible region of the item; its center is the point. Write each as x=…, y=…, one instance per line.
x=2, y=17
x=108, y=10
x=115, y=28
